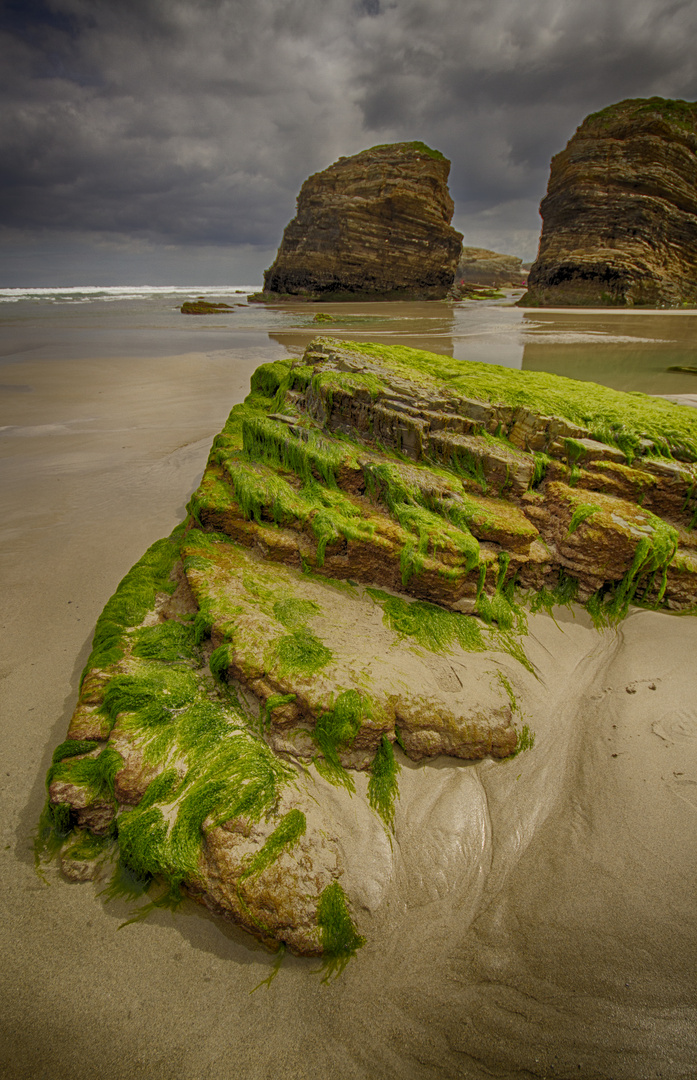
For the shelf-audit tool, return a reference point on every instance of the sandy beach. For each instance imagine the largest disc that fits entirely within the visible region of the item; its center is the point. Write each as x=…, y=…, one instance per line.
x=539, y=917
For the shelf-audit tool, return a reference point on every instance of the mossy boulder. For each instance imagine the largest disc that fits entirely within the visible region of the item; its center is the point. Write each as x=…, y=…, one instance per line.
x=350, y=592
x=204, y=307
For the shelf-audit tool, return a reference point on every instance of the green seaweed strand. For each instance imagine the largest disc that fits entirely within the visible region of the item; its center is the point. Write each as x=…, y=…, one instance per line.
x=275, y=701
x=582, y=513
x=284, y=837
x=501, y=607
x=340, y=939
x=382, y=786
x=431, y=626
x=335, y=730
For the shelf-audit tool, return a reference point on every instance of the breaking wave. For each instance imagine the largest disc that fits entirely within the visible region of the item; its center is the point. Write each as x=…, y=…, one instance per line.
x=86, y=294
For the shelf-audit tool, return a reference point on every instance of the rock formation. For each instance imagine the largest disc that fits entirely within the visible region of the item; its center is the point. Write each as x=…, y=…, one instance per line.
x=479, y=266
x=620, y=214
x=373, y=225
x=352, y=584
x=204, y=307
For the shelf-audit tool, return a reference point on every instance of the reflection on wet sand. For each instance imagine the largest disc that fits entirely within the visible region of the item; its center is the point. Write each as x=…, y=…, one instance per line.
x=486, y=333
x=627, y=351
x=418, y=326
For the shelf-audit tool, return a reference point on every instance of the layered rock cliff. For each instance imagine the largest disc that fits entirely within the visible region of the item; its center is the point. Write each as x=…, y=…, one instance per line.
x=620, y=214
x=480, y=266
x=353, y=584
x=373, y=225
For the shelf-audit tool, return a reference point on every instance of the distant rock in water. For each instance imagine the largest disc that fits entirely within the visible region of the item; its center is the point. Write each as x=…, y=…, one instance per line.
x=373, y=225
x=620, y=214
x=203, y=307
x=479, y=266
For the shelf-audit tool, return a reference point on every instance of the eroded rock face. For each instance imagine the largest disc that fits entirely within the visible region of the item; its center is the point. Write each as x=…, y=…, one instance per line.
x=480, y=266
x=341, y=602
x=452, y=708
x=373, y=225
x=620, y=214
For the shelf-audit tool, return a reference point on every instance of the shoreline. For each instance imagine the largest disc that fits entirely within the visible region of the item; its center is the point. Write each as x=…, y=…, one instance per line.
x=608, y=310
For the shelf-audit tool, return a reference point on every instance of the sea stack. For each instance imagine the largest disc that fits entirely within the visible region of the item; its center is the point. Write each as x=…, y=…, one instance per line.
x=480, y=266
x=375, y=225
x=620, y=214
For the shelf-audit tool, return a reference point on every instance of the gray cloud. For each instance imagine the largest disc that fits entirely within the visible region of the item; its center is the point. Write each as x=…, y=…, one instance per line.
x=192, y=123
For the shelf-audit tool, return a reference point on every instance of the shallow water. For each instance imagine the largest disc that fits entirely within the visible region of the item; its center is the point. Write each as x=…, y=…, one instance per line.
x=546, y=929
x=626, y=350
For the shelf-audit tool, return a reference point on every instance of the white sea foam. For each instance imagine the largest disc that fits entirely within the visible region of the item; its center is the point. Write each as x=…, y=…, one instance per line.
x=588, y=337
x=85, y=294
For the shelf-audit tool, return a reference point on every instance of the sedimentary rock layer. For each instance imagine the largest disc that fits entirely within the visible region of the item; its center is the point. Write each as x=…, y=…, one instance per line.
x=479, y=266
x=352, y=584
x=375, y=224
x=620, y=214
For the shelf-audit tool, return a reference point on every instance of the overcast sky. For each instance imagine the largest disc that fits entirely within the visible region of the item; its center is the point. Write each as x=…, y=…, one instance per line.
x=165, y=141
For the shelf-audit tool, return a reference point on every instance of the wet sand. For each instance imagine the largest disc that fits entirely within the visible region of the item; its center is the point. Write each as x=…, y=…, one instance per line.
x=540, y=920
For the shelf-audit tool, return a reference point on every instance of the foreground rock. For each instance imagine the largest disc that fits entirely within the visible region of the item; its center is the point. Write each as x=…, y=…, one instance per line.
x=375, y=225
x=620, y=214
x=346, y=594
x=479, y=266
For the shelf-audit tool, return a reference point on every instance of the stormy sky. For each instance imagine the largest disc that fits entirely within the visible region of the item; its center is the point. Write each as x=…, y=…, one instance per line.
x=165, y=141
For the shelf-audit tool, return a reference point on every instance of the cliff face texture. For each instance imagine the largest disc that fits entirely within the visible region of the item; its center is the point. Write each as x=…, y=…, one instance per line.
x=353, y=583
x=479, y=266
x=376, y=224
x=620, y=214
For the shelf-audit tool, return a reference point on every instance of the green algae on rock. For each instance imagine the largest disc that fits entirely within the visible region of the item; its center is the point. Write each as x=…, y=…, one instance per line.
x=204, y=307
x=355, y=572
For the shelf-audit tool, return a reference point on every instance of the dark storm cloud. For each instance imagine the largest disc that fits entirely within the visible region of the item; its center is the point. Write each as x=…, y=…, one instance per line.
x=505, y=87
x=195, y=121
